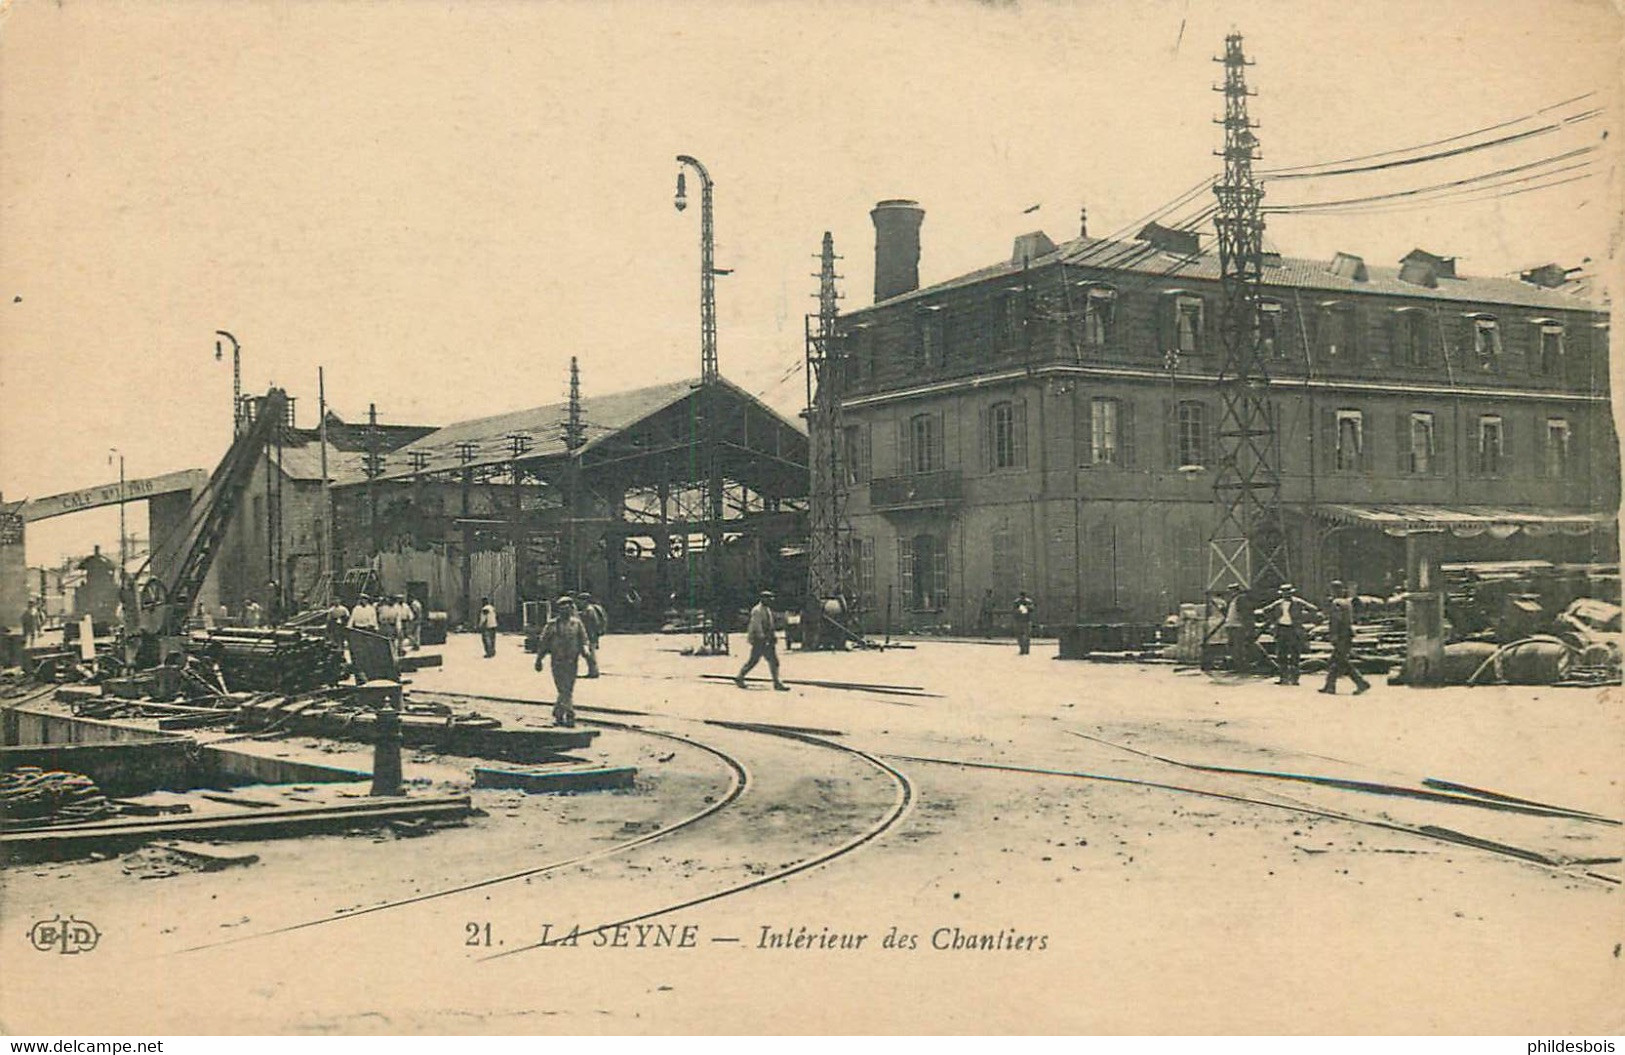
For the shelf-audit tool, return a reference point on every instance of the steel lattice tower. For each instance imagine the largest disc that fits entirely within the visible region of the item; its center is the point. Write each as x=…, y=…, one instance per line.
x=575, y=436
x=1248, y=544
x=828, y=570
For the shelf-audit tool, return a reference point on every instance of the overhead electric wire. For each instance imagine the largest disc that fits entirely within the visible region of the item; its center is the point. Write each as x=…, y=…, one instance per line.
x=1477, y=194
x=1325, y=168
x=1446, y=196
x=1415, y=191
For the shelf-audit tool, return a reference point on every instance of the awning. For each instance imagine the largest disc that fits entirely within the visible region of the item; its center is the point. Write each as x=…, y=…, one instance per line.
x=1465, y=521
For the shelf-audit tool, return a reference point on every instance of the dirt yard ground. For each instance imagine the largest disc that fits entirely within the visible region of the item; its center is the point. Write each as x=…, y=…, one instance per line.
x=1019, y=845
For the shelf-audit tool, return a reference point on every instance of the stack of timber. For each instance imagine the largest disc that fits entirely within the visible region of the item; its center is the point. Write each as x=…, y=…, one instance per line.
x=438, y=728
x=31, y=796
x=270, y=660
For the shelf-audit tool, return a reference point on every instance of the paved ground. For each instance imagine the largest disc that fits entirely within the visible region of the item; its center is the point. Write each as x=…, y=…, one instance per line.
x=1103, y=884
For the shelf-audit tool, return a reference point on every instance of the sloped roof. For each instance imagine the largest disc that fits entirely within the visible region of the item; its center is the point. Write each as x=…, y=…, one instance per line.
x=604, y=416
x=1290, y=272
x=305, y=462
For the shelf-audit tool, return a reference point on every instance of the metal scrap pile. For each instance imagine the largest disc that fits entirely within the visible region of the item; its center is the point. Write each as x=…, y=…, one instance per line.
x=278, y=660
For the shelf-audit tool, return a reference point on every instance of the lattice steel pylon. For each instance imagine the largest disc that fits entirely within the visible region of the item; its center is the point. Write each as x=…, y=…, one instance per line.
x=1248, y=544
x=829, y=571
x=575, y=437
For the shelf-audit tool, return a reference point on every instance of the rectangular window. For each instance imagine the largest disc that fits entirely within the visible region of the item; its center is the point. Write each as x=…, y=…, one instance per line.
x=1192, y=435
x=855, y=453
x=1337, y=331
x=1002, y=419
x=923, y=436
x=928, y=338
x=1270, y=345
x=1420, y=454
x=1007, y=321
x=1486, y=342
x=1549, y=356
x=922, y=566
x=1188, y=325
x=861, y=559
x=1411, y=330
x=1491, y=440
x=1558, y=451
x=1350, y=451
x=1103, y=432
x=1099, y=311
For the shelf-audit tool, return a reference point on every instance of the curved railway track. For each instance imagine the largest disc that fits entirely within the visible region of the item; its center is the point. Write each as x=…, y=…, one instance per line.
x=902, y=803
x=1571, y=869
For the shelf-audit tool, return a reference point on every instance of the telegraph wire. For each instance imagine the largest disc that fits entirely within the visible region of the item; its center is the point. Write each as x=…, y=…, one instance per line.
x=1477, y=194
x=1322, y=168
x=1433, y=188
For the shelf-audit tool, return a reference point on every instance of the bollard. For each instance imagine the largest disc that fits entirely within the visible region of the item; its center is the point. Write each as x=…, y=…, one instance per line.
x=386, y=752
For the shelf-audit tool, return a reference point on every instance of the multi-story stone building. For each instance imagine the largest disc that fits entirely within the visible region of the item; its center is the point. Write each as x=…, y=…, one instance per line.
x=1049, y=423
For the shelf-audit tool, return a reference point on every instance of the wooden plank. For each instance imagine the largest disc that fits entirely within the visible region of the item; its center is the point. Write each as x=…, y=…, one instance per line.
x=209, y=858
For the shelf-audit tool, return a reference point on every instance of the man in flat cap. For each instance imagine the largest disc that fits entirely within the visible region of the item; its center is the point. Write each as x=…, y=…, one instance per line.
x=564, y=639
x=1340, y=621
x=1288, y=617
x=763, y=637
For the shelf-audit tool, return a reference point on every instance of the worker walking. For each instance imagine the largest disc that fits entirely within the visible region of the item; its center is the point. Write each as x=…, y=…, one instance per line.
x=338, y=618
x=488, y=626
x=414, y=623
x=1238, y=628
x=31, y=625
x=1021, y=617
x=1340, y=622
x=389, y=622
x=564, y=640
x=593, y=620
x=762, y=632
x=1288, y=618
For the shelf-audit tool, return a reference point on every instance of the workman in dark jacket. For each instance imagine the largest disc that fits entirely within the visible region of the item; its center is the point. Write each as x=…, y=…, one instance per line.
x=1288, y=618
x=564, y=639
x=1021, y=617
x=595, y=620
x=1340, y=621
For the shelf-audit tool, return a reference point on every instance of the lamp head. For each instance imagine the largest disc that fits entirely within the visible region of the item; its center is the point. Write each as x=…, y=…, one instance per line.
x=681, y=200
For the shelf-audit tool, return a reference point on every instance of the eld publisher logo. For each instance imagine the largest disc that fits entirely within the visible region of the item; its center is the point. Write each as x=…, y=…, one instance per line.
x=66, y=936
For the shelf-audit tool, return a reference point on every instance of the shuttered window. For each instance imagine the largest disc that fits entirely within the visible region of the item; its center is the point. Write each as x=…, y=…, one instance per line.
x=922, y=572
x=919, y=444
x=1559, y=462
x=1491, y=451
x=1415, y=443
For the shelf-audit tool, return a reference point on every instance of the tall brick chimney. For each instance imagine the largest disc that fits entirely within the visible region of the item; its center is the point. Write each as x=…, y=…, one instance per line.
x=897, y=247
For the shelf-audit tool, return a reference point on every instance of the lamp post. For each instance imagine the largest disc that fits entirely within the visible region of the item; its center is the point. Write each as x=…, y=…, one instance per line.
x=716, y=636
x=236, y=377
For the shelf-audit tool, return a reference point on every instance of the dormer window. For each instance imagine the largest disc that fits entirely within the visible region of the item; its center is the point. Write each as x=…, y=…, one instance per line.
x=1007, y=320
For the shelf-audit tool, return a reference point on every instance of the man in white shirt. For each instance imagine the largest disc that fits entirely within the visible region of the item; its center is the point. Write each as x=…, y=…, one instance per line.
x=364, y=616
x=762, y=633
x=488, y=626
x=1288, y=617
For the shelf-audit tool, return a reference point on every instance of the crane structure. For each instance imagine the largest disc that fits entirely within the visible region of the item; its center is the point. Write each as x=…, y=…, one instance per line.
x=829, y=566
x=1248, y=543
x=164, y=602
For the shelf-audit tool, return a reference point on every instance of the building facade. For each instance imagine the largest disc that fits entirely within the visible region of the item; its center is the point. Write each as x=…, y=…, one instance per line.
x=1050, y=423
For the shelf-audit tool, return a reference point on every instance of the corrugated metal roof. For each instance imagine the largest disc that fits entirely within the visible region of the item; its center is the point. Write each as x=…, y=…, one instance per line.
x=1290, y=273
x=305, y=463
x=604, y=416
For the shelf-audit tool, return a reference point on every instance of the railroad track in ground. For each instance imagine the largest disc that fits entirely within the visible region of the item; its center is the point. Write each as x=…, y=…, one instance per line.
x=1578, y=869
x=740, y=781
x=904, y=797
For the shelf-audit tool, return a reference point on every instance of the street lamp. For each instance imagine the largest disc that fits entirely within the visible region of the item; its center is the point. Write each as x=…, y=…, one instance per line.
x=715, y=640
x=236, y=377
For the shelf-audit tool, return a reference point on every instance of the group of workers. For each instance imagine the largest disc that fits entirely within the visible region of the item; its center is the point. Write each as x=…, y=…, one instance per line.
x=394, y=616
x=1288, y=618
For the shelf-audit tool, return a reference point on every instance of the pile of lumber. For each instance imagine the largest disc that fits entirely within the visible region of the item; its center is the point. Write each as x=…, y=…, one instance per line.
x=271, y=660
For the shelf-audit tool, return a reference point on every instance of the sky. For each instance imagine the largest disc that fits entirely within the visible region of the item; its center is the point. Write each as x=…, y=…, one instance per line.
x=441, y=203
